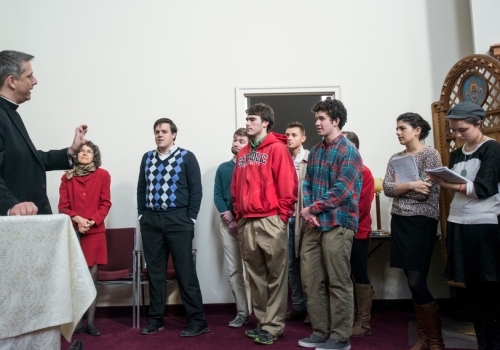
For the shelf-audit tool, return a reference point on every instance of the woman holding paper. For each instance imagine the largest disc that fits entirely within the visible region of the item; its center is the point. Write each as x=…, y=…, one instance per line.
x=473, y=231
x=414, y=221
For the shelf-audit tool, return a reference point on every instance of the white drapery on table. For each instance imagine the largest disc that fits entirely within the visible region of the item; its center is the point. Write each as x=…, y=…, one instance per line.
x=45, y=283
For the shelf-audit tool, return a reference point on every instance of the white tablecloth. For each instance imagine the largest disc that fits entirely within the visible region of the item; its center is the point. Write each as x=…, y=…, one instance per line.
x=45, y=282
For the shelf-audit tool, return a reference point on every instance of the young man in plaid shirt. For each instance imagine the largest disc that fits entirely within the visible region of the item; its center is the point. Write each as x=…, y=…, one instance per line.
x=331, y=192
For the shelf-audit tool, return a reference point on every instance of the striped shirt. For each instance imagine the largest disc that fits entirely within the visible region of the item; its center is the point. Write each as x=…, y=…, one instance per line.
x=333, y=183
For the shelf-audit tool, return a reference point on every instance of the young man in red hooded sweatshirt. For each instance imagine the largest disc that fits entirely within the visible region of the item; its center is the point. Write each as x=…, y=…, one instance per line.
x=264, y=192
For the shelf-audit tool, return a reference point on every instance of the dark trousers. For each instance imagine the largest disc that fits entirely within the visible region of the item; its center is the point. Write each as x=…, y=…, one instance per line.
x=165, y=233
x=359, y=261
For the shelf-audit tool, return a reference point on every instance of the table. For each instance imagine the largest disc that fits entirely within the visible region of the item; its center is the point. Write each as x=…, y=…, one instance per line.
x=380, y=238
x=45, y=284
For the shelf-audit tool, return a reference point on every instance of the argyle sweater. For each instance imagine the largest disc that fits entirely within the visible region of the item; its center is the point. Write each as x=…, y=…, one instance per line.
x=174, y=182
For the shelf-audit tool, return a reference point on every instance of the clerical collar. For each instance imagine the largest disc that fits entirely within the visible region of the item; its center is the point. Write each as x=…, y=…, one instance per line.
x=11, y=104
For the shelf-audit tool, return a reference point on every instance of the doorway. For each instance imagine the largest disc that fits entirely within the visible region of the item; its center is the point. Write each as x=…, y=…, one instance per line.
x=289, y=104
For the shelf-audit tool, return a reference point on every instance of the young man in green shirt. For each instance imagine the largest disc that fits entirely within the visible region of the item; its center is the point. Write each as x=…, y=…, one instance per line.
x=229, y=230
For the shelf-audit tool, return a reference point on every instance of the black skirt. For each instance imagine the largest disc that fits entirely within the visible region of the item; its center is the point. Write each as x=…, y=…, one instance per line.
x=473, y=253
x=412, y=242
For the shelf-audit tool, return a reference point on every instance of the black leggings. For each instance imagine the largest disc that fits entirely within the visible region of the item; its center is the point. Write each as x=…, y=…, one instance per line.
x=417, y=281
x=359, y=261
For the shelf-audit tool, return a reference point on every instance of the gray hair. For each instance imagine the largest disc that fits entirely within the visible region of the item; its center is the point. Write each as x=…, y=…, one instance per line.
x=11, y=63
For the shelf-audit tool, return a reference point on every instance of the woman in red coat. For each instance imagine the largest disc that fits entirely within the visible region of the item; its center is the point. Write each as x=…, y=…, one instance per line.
x=85, y=197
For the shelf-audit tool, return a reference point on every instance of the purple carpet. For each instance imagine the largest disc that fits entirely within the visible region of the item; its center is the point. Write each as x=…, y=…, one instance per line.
x=389, y=332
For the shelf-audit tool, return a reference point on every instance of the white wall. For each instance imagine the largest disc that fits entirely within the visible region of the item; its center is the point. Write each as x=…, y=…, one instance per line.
x=118, y=65
x=484, y=18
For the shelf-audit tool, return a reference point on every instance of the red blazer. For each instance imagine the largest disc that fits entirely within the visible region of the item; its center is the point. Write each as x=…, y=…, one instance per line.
x=87, y=196
x=365, y=204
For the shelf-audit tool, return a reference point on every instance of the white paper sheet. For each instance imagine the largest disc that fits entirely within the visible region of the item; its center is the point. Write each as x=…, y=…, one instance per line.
x=447, y=175
x=405, y=168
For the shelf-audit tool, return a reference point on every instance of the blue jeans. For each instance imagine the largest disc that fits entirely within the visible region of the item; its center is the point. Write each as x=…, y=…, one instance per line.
x=299, y=297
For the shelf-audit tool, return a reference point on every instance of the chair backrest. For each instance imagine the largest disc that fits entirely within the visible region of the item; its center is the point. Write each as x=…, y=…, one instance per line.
x=121, y=243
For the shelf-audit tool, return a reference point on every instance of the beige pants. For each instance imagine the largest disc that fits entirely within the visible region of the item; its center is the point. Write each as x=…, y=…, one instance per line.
x=234, y=264
x=325, y=260
x=264, y=248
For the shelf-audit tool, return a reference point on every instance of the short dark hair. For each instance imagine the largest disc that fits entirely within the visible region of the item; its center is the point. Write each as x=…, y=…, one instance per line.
x=471, y=121
x=416, y=121
x=97, y=153
x=173, y=127
x=265, y=113
x=241, y=132
x=297, y=125
x=11, y=63
x=351, y=136
x=334, y=108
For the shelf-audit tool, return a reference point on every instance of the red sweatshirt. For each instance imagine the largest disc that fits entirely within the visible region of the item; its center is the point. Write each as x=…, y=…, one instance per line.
x=265, y=181
x=365, y=204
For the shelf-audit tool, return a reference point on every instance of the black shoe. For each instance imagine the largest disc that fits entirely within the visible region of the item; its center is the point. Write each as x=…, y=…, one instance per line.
x=79, y=328
x=92, y=330
x=253, y=333
x=77, y=345
x=193, y=331
x=151, y=329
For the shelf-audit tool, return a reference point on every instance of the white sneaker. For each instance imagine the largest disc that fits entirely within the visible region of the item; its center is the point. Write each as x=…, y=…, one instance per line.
x=239, y=321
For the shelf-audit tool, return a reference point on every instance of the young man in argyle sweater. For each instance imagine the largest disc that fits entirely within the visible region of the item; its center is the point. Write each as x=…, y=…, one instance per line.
x=168, y=200
x=264, y=193
x=331, y=193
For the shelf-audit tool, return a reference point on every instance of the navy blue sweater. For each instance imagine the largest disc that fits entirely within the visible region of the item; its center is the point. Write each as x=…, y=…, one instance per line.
x=174, y=182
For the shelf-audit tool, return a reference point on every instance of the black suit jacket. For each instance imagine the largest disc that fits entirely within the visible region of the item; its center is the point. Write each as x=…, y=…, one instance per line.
x=22, y=167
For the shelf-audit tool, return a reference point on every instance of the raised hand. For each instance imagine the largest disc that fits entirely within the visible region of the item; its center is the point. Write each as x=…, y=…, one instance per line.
x=79, y=139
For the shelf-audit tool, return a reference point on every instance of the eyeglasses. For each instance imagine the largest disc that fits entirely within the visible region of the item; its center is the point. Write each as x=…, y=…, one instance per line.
x=86, y=151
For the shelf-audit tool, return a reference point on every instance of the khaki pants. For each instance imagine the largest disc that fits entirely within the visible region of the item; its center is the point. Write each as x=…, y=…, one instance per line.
x=264, y=248
x=324, y=259
x=234, y=264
